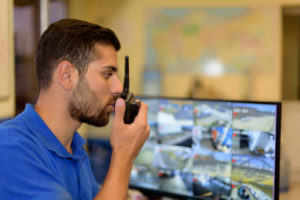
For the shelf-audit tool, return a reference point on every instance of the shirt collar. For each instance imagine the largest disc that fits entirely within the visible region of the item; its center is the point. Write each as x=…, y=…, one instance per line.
x=49, y=140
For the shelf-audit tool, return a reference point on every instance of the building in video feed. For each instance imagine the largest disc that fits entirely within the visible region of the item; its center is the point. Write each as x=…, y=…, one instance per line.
x=261, y=143
x=173, y=157
x=252, y=142
x=254, y=174
x=175, y=121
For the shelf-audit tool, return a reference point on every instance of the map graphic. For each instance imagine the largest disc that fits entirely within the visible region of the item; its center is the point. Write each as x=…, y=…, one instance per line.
x=185, y=40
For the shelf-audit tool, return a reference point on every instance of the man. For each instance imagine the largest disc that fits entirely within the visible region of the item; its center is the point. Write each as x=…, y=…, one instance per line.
x=41, y=154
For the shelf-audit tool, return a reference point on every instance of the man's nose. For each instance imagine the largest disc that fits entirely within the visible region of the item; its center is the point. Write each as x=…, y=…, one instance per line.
x=117, y=86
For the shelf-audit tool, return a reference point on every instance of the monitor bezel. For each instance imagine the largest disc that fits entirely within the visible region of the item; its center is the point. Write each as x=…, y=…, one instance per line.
x=150, y=192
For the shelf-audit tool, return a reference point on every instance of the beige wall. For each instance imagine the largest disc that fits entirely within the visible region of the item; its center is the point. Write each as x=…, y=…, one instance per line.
x=127, y=19
x=7, y=89
x=290, y=137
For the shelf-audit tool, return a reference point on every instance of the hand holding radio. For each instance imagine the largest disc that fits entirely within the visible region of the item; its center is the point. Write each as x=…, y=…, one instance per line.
x=128, y=140
x=132, y=106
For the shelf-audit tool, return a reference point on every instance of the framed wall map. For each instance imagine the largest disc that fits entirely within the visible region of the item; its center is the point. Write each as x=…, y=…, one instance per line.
x=231, y=52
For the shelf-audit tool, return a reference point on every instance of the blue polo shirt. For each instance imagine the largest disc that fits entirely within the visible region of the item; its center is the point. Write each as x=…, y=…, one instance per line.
x=35, y=165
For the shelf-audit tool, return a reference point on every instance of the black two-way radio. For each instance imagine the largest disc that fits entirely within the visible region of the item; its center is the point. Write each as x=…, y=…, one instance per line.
x=132, y=106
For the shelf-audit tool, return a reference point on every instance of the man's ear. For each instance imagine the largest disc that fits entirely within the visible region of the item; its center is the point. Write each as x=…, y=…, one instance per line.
x=67, y=75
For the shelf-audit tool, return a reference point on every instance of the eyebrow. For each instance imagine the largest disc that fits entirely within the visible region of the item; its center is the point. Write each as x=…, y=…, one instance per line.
x=112, y=68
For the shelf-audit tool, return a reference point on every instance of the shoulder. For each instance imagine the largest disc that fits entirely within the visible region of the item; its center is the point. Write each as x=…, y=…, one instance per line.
x=19, y=154
x=17, y=139
x=15, y=131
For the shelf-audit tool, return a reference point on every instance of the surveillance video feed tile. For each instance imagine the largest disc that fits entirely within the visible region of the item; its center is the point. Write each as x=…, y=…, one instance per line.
x=252, y=169
x=250, y=191
x=173, y=157
x=261, y=143
x=212, y=185
x=144, y=176
x=213, y=114
x=175, y=121
x=254, y=117
x=212, y=138
x=212, y=163
x=174, y=180
x=146, y=155
x=255, y=174
x=253, y=142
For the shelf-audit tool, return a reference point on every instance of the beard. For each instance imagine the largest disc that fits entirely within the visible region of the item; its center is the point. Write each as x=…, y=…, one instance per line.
x=86, y=107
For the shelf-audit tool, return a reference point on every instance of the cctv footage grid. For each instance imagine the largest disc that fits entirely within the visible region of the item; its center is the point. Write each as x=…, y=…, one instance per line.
x=208, y=148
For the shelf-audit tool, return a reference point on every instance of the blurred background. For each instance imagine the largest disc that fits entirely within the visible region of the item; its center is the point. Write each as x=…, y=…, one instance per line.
x=233, y=49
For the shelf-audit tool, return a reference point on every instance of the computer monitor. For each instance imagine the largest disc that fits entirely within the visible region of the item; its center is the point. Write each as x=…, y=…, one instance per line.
x=210, y=149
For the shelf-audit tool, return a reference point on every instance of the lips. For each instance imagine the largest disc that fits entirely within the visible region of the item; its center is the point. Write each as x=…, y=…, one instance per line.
x=111, y=105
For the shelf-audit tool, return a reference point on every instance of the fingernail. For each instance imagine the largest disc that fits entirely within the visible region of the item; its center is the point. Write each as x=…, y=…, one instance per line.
x=119, y=102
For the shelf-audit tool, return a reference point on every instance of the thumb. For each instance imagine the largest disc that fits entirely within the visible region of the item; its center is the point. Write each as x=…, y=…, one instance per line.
x=119, y=110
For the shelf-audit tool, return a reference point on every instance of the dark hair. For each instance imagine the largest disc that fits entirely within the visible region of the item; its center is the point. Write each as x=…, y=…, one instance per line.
x=72, y=40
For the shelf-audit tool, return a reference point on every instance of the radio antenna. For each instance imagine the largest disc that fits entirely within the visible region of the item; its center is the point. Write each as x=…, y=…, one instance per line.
x=126, y=77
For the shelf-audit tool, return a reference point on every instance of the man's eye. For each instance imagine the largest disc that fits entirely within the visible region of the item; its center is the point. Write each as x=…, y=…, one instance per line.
x=108, y=74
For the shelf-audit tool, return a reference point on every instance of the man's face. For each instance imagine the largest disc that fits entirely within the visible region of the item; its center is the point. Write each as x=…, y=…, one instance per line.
x=93, y=97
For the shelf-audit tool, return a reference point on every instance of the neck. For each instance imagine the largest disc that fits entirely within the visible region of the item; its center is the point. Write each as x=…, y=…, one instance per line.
x=55, y=114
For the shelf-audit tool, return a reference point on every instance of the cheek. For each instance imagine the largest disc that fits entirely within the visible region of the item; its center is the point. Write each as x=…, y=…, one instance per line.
x=100, y=87
x=102, y=93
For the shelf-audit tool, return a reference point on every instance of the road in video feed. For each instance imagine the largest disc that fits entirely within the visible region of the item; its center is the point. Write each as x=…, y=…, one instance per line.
x=219, y=150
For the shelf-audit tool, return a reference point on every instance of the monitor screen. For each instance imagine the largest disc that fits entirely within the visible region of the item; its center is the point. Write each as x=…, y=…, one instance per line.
x=210, y=149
